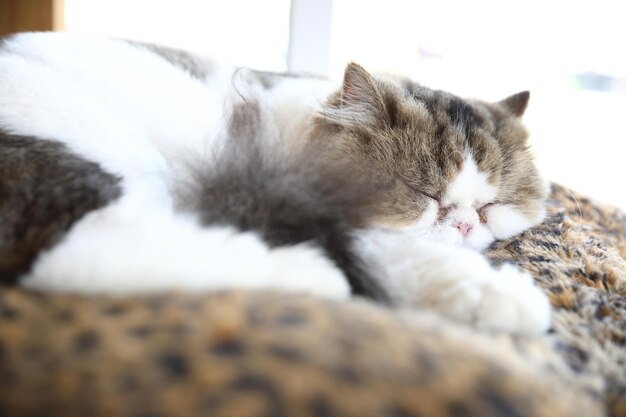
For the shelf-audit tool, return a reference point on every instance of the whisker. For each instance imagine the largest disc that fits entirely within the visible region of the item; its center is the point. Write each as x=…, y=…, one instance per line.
x=580, y=210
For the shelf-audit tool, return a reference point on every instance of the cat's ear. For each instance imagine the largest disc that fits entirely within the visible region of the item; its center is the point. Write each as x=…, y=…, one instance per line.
x=360, y=101
x=516, y=103
x=359, y=90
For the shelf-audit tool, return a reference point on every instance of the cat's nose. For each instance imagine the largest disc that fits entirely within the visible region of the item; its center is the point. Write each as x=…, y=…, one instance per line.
x=464, y=228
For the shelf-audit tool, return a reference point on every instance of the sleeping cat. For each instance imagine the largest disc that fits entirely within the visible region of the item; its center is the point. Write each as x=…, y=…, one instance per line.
x=128, y=168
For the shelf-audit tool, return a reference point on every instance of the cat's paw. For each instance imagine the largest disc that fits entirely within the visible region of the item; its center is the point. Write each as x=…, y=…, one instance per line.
x=456, y=282
x=510, y=301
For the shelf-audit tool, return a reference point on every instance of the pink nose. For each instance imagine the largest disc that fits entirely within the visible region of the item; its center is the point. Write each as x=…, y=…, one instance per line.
x=464, y=228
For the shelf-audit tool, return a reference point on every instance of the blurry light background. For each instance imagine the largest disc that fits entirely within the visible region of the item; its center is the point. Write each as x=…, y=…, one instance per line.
x=571, y=55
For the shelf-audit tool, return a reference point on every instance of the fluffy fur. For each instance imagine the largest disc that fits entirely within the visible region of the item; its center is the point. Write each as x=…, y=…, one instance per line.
x=236, y=178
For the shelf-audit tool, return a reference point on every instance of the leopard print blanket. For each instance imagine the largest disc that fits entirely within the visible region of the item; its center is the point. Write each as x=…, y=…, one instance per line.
x=246, y=354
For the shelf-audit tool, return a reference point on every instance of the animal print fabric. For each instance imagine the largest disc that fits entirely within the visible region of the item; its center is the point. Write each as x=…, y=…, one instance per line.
x=247, y=354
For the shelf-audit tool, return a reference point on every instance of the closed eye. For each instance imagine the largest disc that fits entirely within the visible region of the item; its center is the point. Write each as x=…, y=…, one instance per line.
x=433, y=197
x=442, y=211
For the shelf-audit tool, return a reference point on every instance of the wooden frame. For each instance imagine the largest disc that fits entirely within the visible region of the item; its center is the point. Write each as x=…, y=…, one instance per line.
x=30, y=15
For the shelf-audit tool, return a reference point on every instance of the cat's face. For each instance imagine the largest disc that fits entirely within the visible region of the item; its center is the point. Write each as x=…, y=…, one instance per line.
x=458, y=170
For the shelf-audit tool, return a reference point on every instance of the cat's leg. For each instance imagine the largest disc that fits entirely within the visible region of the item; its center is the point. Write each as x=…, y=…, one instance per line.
x=130, y=247
x=456, y=282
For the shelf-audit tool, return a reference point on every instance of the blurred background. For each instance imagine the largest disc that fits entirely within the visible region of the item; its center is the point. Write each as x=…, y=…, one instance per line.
x=571, y=55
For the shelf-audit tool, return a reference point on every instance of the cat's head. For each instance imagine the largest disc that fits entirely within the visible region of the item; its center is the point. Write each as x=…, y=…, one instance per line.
x=459, y=170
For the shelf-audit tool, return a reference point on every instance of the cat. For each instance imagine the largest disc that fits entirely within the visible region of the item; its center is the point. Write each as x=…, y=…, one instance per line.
x=128, y=168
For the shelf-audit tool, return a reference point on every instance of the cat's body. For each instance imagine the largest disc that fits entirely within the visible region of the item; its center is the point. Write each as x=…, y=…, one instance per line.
x=129, y=168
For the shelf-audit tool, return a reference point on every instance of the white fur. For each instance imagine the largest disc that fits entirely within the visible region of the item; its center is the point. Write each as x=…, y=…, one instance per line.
x=470, y=187
x=506, y=221
x=288, y=107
